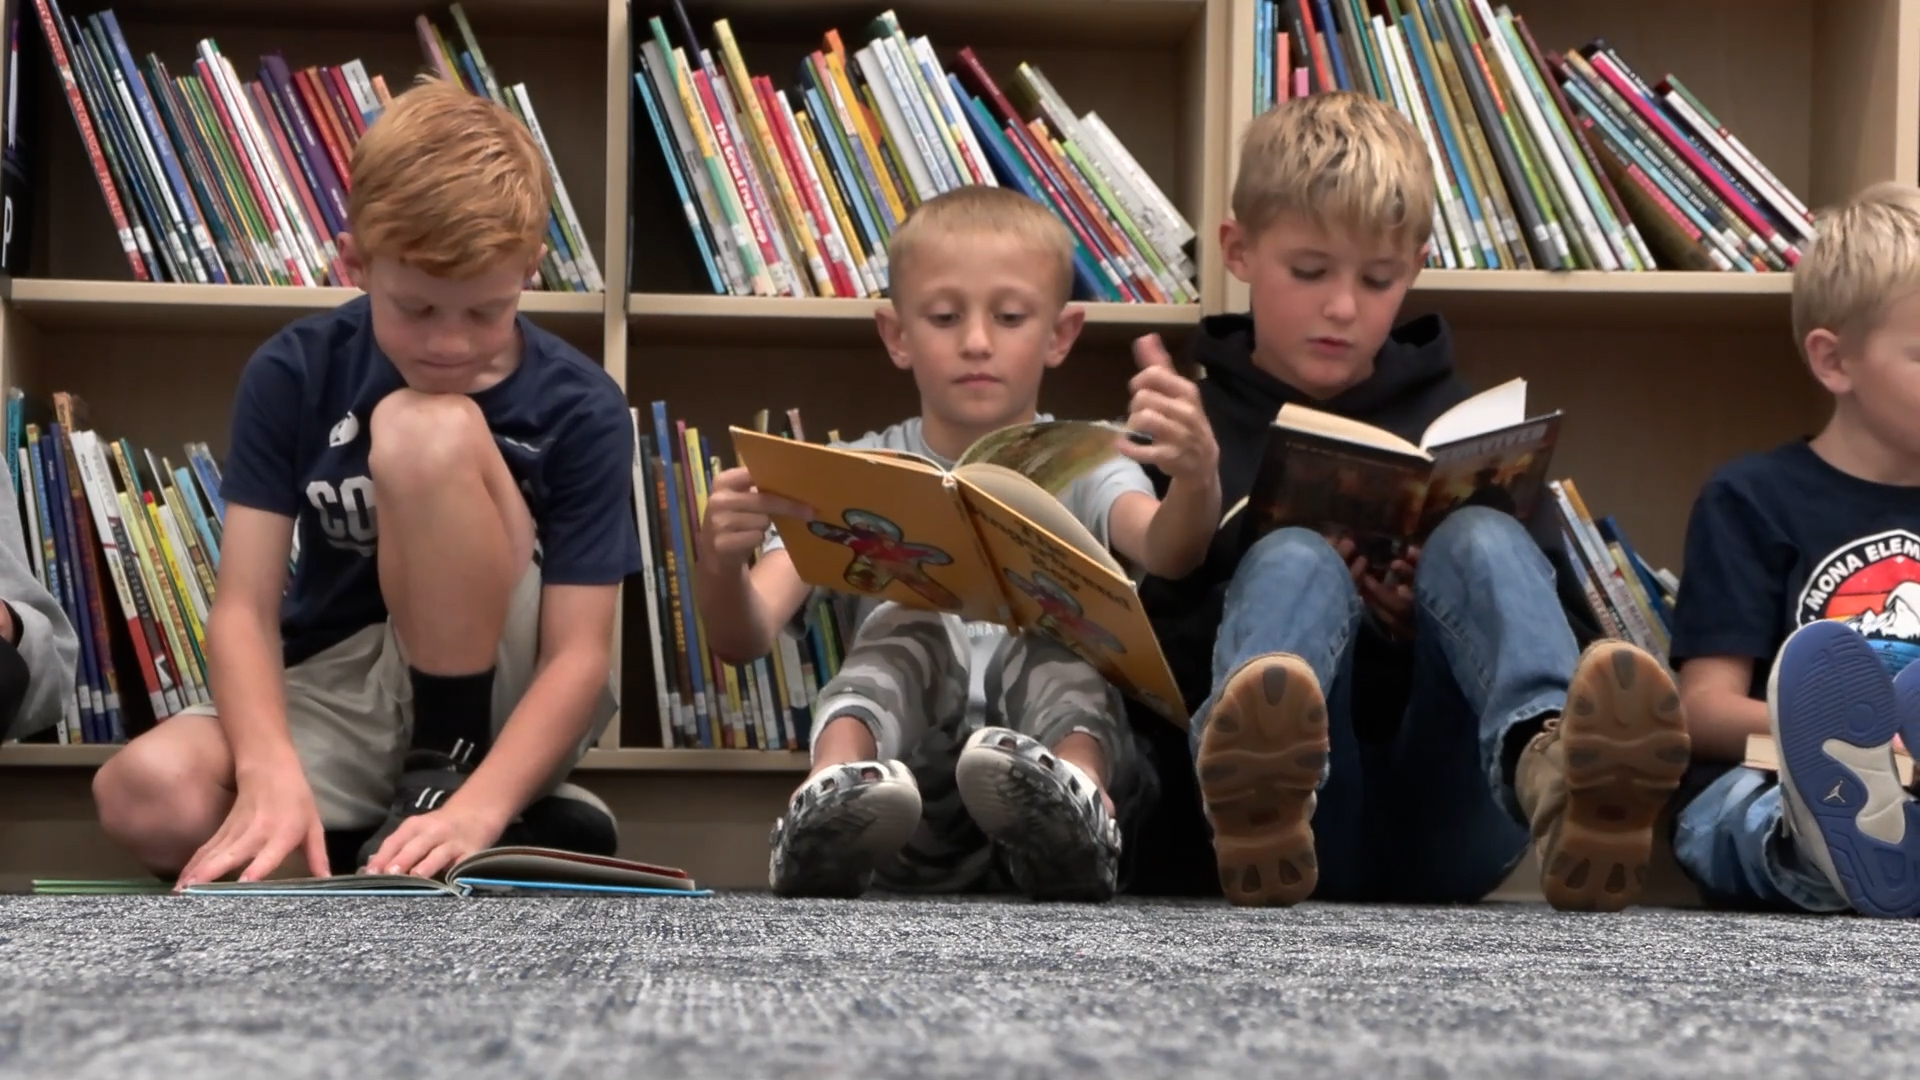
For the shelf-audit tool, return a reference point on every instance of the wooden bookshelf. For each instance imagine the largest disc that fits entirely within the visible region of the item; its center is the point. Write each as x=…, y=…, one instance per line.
x=1664, y=375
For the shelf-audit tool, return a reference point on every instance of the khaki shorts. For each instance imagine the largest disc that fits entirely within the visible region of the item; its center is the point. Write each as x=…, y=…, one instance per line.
x=350, y=712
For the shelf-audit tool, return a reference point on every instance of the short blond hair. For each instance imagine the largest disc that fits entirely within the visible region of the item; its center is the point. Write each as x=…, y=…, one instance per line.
x=447, y=182
x=983, y=210
x=1864, y=256
x=1343, y=160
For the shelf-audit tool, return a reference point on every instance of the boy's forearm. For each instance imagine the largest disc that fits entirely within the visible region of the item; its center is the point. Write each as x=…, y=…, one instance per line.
x=245, y=674
x=731, y=612
x=1183, y=527
x=541, y=735
x=1719, y=723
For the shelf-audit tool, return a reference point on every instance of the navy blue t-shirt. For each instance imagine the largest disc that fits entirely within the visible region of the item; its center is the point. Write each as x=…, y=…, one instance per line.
x=1780, y=539
x=299, y=448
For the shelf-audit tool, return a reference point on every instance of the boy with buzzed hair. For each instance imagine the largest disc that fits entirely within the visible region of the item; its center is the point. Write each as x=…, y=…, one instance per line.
x=1389, y=733
x=950, y=756
x=458, y=482
x=1799, y=612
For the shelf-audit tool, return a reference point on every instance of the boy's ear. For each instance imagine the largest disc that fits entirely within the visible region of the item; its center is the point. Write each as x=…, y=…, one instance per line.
x=1826, y=358
x=350, y=261
x=1235, y=247
x=887, y=321
x=1066, y=330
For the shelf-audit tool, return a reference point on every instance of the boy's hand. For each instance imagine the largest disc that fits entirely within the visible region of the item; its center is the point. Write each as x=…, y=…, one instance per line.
x=738, y=516
x=1166, y=405
x=426, y=844
x=1390, y=599
x=272, y=815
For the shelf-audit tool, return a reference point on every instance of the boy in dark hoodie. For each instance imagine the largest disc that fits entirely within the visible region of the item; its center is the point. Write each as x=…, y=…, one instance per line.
x=1389, y=733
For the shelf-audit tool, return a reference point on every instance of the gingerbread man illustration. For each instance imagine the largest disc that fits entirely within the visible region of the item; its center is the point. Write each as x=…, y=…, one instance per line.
x=881, y=556
x=1061, y=616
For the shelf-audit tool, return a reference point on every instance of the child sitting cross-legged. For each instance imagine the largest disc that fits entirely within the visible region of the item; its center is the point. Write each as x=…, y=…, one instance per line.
x=910, y=786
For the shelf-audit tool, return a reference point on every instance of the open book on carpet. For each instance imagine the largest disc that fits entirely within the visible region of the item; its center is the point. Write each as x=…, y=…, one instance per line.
x=502, y=871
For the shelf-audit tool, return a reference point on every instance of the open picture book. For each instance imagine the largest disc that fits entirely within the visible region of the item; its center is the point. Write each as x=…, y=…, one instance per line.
x=1348, y=480
x=986, y=541
x=494, y=871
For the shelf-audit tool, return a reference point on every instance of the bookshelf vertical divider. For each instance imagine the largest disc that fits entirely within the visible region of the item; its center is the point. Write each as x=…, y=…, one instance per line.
x=613, y=352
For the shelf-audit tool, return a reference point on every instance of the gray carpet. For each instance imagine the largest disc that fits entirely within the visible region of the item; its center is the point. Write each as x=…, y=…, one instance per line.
x=744, y=986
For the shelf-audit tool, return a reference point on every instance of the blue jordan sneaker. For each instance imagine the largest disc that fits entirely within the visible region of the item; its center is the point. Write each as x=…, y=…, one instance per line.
x=1834, y=712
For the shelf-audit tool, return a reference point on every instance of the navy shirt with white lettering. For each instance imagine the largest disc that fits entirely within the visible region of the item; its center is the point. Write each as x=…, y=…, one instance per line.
x=1780, y=539
x=299, y=448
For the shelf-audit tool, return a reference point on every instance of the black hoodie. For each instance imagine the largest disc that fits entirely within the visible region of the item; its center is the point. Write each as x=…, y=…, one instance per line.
x=1411, y=385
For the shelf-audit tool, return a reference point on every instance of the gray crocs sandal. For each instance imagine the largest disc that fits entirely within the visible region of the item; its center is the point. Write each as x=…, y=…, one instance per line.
x=1044, y=813
x=842, y=823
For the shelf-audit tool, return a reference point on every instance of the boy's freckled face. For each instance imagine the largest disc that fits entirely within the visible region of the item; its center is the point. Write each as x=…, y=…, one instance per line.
x=978, y=321
x=1884, y=377
x=445, y=336
x=1323, y=300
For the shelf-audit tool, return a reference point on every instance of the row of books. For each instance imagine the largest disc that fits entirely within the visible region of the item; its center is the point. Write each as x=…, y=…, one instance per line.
x=1630, y=599
x=210, y=179
x=1543, y=160
x=796, y=193
x=129, y=544
x=702, y=702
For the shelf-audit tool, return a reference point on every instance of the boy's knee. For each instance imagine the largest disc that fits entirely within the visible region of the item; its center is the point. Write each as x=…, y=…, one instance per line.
x=1292, y=554
x=1477, y=536
x=419, y=439
x=151, y=795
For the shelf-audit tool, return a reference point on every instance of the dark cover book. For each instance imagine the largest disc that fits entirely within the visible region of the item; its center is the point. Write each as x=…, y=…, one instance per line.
x=1349, y=480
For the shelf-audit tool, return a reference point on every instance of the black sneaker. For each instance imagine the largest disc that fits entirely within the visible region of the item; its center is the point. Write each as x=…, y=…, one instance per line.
x=427, y=778
x=571, y=819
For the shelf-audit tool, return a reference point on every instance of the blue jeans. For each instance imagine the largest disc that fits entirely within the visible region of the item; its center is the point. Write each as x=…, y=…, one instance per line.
x=1729, y=840
x=1427, y=816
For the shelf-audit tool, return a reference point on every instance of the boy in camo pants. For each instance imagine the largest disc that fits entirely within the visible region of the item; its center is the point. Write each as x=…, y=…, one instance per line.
x=950, y=756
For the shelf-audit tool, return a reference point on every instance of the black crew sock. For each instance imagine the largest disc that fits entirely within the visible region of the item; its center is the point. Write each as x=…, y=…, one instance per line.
x=453, y=715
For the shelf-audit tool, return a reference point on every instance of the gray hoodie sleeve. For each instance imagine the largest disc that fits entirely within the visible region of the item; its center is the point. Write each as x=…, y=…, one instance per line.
x=48, y=644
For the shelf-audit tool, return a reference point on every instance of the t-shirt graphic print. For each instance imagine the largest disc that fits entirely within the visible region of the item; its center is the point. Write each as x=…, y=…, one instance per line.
x=1873, y=585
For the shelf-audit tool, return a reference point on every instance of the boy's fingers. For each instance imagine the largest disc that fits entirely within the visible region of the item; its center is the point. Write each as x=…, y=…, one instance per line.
x=268, y=858
x=1149, y=352
x=1164, y=379
x=317, y=863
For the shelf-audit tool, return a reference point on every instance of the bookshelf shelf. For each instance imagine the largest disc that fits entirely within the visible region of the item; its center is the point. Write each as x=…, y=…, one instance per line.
x=659, y=318
x=53, y=303
x=1668, y=297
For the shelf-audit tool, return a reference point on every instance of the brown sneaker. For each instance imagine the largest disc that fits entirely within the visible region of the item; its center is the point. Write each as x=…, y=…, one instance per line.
x=1594, y=781
x=1261, y=754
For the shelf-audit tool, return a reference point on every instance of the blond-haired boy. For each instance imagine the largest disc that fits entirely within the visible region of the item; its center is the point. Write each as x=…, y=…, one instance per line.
x=1799, y=612
x=1361, y=734
x=439, y=663
x=1024, y=784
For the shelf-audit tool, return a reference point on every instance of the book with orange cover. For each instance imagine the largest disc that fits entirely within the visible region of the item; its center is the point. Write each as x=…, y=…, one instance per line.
x=987, y=540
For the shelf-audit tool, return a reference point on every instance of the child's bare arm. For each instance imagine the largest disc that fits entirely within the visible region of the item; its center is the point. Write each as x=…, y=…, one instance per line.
x=743, y=609
x=1720, y=714
x=273, y=811
x=1168, y=537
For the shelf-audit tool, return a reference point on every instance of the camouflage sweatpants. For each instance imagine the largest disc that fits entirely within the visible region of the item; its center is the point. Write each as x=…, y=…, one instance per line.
x=923, y=683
